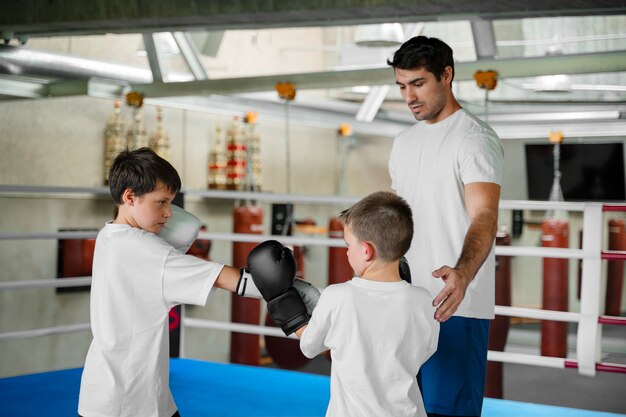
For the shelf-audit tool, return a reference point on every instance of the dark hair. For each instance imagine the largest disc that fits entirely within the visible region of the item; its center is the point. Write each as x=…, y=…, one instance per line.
x=423, y=52
x=383, y=219
x=140, y=170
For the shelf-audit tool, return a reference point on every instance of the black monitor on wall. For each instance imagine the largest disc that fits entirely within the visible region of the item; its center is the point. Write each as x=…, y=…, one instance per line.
x=590, y=171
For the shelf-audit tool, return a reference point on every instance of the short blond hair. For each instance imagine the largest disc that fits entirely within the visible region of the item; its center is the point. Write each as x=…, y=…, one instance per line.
x=385, y=220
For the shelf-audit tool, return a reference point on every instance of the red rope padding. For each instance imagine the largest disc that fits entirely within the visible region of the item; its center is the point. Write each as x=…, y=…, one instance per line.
x=618, y=321
x=613, y=255
x=601, y=366
x=613, y=207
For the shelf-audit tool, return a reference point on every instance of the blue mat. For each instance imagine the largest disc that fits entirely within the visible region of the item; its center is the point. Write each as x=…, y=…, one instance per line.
x=205, y=389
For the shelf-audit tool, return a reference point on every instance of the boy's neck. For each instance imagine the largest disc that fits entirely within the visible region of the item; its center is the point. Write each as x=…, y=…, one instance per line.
x=123, y=217
x=382, y=272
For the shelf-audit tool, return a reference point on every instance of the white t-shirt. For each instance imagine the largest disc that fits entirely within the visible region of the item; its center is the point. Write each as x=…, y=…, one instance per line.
x=137, y=279
x=429, y=166
x=379, y=334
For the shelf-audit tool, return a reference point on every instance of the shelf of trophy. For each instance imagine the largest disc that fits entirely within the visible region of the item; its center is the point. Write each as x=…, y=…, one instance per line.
x=234, y=160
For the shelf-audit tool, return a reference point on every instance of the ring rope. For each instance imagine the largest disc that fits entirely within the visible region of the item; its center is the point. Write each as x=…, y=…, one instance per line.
x=523, y=312
x=535, y=313
x=309, y=241
x=235, y=327
x=613, y=255
x=588, y=345
x=46, y=331
x=64, y=282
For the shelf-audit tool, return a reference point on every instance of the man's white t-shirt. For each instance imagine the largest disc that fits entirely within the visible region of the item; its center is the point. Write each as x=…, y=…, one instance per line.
x=379, y=334
x=429, y=166
x=137, y=279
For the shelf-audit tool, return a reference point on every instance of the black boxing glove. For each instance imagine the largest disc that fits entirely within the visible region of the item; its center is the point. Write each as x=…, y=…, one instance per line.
x=273, y=268
x=405, y=271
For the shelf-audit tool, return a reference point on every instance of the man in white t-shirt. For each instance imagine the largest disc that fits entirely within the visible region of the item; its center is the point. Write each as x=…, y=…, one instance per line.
x=448, y=166
x=140, y=271
x=379, y=328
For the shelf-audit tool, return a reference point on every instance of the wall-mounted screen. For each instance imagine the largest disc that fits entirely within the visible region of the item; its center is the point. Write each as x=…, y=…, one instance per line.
x=590, y=171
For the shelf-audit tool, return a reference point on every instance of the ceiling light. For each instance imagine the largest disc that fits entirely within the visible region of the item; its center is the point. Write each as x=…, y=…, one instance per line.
x=379, y=35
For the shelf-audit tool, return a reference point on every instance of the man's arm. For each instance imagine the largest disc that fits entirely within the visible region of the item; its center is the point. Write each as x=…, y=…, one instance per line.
x=481, y=202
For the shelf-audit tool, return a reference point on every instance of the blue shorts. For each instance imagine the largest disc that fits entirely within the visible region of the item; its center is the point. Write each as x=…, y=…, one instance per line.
x=452, y=381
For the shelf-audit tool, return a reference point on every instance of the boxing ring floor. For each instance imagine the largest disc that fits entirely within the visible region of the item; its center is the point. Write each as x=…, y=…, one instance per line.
x=207, y=389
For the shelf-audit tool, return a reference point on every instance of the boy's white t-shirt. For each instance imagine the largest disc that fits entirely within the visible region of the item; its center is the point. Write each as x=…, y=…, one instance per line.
x=429, y=165
x=379, y=334
x=137, y=279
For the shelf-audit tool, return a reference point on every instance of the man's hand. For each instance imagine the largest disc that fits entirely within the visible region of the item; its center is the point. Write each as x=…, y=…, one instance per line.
x=450, y=297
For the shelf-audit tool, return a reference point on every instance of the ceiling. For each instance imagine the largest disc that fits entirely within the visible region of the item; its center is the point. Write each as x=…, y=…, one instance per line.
x=583, y=41
x=49, y=18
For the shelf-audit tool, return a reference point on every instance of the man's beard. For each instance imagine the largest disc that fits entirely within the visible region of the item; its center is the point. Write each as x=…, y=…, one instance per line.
x=436, y=105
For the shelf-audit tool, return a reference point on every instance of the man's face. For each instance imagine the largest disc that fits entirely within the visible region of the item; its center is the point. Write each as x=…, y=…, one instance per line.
x=425, y=96
x=151, y=211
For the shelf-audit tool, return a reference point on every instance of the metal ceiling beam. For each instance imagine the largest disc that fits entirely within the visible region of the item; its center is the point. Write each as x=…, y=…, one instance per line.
x=372, y=102
x=15, y=87
x=72, y=17
x=21, y=61
x=484, y=38
x=329, y=113
x=464, y=71
x=191, y=54
x=155, y=57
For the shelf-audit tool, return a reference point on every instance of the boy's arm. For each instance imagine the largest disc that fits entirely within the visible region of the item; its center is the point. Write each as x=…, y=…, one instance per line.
x=300, y=331
x=228, y=278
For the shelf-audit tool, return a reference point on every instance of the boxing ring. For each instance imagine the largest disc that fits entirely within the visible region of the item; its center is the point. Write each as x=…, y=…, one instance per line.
x=211, y=389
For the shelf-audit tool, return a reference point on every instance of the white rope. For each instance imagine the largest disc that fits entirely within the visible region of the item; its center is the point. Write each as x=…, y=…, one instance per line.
x=539, y=252
x=46, y=283
x=284, y=197
x=235, y=327
x=51, y=235
x=541, y=205
x=286, y=240
x=524, y=359
x=27, y=334
x=533, y=313
x=305, y=241
x=54, y=190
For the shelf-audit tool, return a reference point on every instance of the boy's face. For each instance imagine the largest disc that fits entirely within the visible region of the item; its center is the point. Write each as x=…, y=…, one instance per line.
x=356, y=252
x=151, y=211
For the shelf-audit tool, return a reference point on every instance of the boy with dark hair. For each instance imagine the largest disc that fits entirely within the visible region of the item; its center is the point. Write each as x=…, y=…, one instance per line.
x=378, y=327
x=140, y=271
